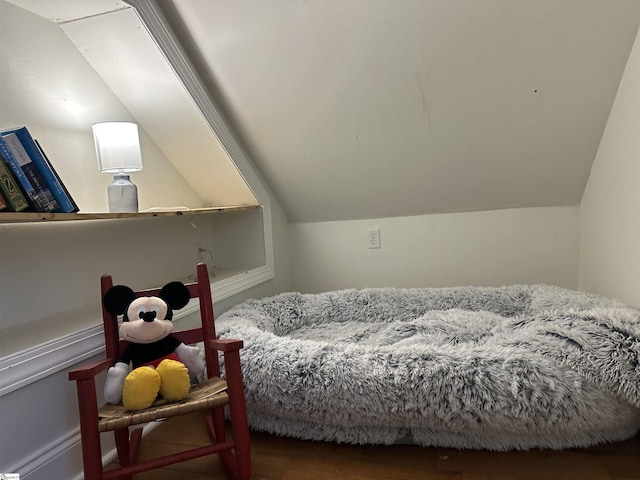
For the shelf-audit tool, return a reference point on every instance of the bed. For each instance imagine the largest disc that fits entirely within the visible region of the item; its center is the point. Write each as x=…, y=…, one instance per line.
x=515, y=367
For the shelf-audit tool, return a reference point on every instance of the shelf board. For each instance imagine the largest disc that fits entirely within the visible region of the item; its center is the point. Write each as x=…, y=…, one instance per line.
x=35, y=217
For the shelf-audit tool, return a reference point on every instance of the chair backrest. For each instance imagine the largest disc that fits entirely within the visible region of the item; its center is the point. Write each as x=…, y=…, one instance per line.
x=200, y=289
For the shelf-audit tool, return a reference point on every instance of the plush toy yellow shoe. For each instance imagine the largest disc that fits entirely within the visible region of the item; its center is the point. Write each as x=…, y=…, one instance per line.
x=141, y=388
x=142, y=385
x=175, y=381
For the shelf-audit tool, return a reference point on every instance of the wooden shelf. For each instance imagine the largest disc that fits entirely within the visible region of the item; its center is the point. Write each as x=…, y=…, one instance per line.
x=35, y=217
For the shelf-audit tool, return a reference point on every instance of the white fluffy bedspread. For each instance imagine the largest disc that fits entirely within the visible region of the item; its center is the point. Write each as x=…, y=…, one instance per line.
x=514, y=367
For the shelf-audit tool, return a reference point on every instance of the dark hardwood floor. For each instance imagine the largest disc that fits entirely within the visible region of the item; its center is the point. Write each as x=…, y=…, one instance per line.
x=277, y=458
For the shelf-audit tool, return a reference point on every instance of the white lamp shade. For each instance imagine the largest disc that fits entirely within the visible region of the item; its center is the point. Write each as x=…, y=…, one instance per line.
x=117, y=147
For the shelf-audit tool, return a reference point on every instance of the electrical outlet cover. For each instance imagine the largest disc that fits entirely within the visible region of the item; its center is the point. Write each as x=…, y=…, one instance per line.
x=373, y=238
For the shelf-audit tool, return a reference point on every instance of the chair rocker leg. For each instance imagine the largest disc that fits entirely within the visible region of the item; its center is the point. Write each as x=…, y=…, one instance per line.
x=91, y=455
x=241, y=439
x=217, y=425
x=236, y=463
x=128, y=447
x=238, y=416
x=91, y=448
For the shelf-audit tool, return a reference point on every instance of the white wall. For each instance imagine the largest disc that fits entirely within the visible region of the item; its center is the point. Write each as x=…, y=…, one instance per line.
x=610, y=208
x=499, y=247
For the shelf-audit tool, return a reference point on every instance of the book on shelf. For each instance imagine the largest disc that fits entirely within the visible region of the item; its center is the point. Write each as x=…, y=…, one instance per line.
x=65, y=202
x=39, y=196
x=10, y=188
x=3, y=203
x=74, y=205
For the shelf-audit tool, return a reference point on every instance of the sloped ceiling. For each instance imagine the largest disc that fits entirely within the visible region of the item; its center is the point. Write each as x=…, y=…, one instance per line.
x=360, y=109
x=357, y=109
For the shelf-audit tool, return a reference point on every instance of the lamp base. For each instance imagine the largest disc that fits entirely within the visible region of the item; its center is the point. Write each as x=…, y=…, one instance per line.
x=122, y=194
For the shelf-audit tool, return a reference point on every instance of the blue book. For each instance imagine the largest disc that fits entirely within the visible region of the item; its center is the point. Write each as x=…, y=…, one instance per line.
x=44, y=155
x=53, y=184
x=37, y=201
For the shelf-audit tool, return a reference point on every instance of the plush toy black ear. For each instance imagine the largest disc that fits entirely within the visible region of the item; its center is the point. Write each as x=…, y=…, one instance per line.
x=118, y=298
x=176, y=294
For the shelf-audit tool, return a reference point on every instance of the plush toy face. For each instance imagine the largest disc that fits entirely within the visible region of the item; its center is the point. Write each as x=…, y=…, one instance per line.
x=146, y=321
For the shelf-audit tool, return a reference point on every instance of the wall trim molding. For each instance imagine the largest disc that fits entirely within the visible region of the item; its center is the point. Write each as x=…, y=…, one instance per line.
x=42, y=456
x=28, y=366
x=241, y=282
x=152, y=16
x=62, y=446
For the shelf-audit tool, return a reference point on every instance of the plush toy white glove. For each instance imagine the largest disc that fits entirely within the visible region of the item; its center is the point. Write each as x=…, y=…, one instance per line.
x=115, y=382
x=190, y=356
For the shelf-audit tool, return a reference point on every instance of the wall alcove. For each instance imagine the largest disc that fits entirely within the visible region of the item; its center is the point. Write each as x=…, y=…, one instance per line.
x=126, y=64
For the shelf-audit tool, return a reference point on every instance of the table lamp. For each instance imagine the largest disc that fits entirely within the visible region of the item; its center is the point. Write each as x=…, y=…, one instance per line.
x=118, y=151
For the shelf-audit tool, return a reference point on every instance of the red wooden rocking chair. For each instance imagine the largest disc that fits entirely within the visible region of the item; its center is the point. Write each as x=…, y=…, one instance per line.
x=213, y=395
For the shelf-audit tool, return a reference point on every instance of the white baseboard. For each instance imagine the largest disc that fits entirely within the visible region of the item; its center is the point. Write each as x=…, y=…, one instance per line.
x=41, y=463
x=41, y=457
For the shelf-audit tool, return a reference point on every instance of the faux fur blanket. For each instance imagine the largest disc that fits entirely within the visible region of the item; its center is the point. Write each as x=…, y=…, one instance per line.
x=513, y=367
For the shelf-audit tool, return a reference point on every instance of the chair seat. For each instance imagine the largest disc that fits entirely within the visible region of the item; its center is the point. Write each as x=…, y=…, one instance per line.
x=208, y=394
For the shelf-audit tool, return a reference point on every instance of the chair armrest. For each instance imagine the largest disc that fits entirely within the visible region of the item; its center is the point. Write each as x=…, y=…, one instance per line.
x=90, y=370
x=226, y=344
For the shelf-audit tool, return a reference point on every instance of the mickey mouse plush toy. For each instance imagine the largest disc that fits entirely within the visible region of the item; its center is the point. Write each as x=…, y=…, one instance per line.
x=161, y=363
